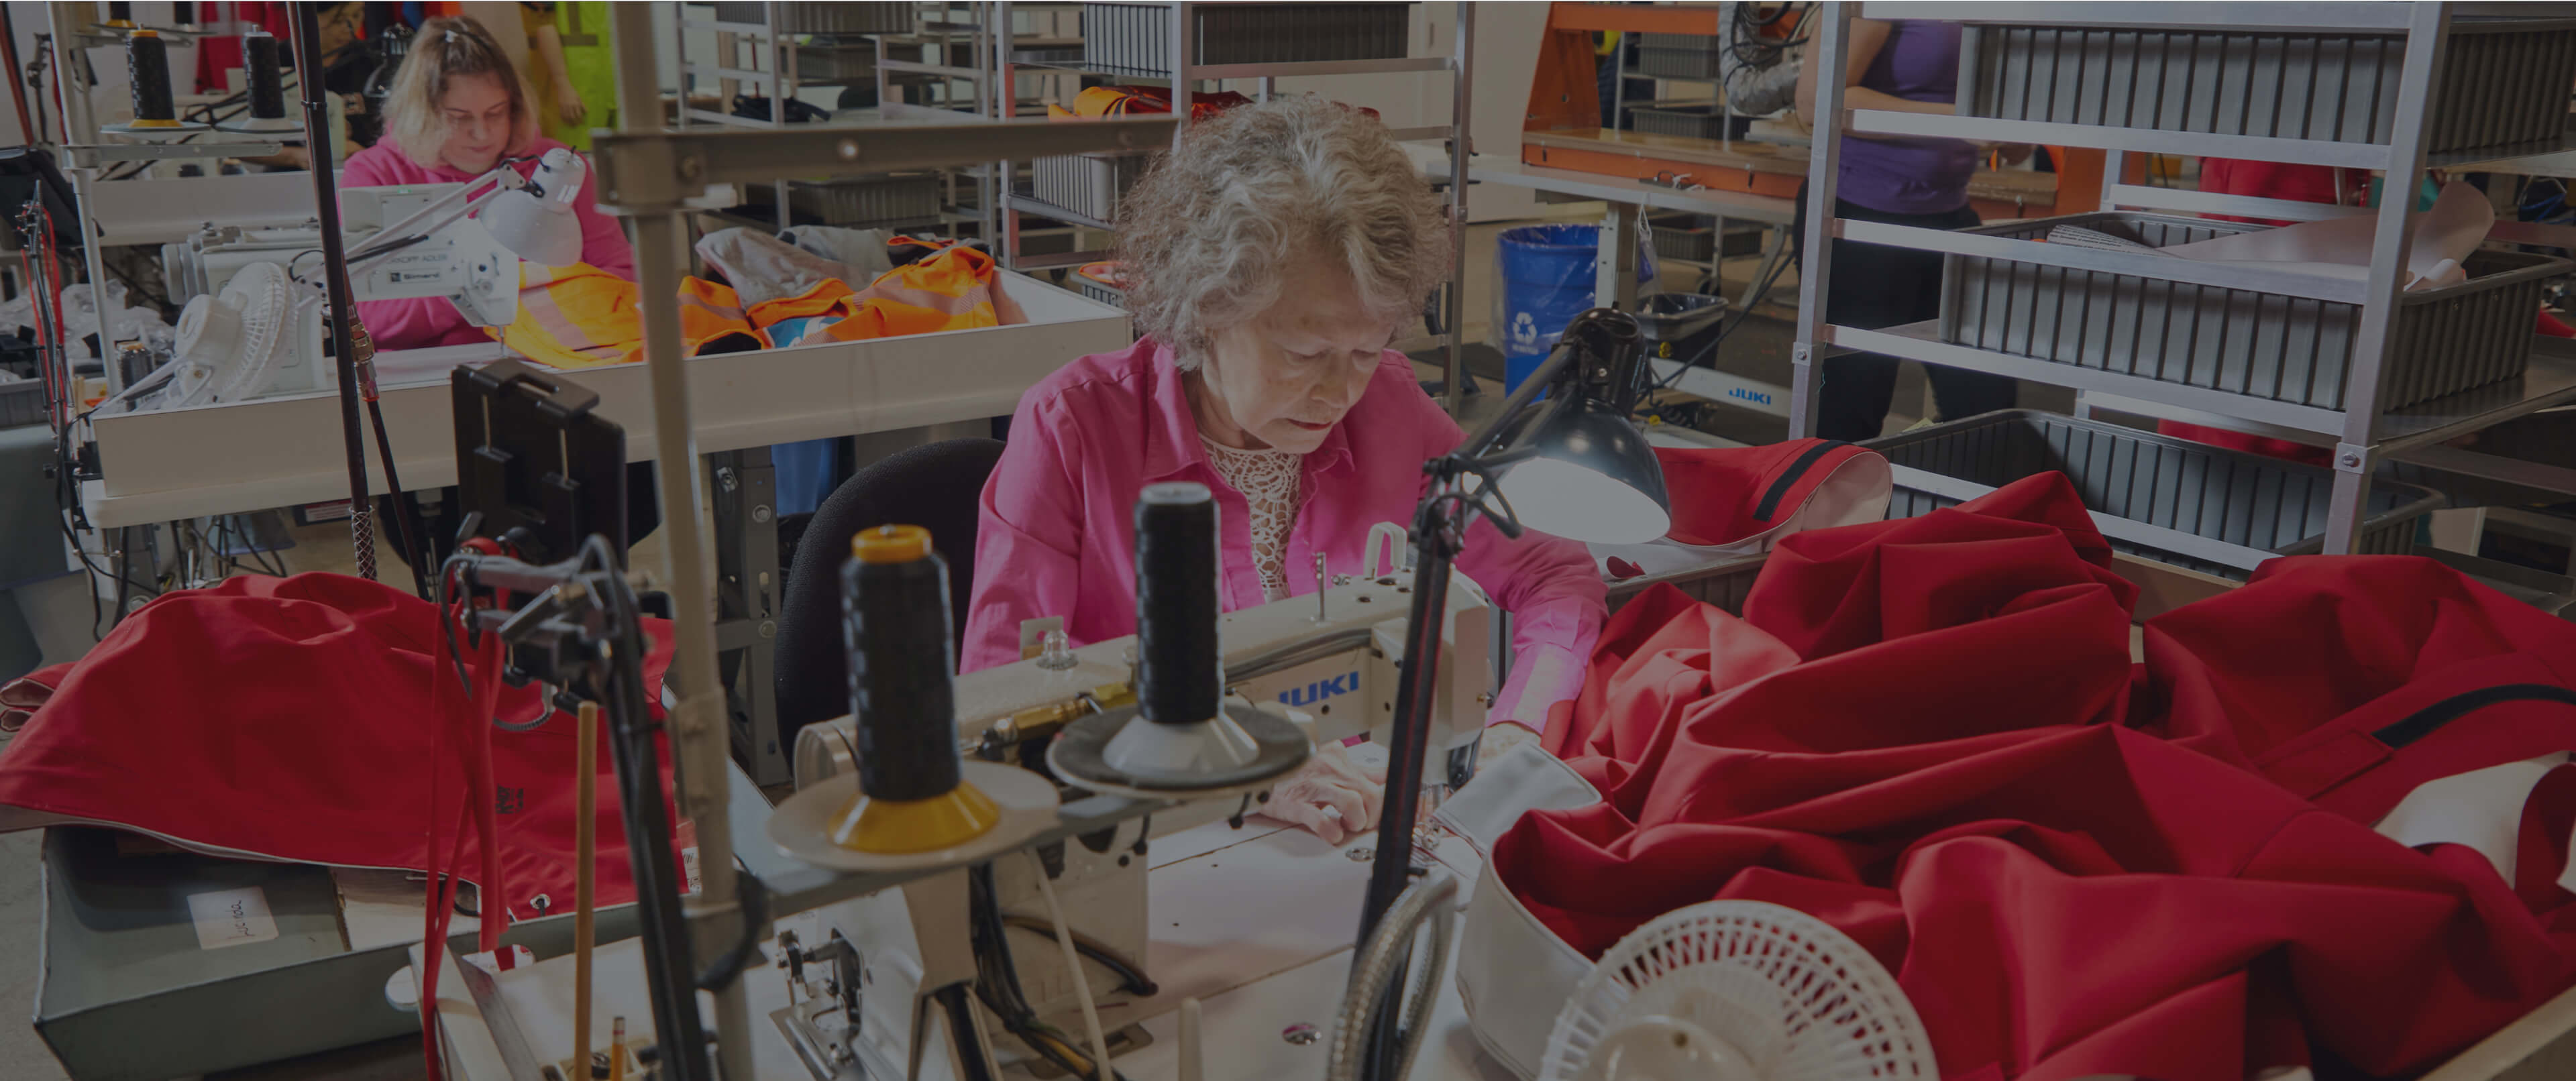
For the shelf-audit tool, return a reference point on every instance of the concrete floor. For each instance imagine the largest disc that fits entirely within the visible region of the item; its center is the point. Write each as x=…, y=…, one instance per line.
x=60, y=613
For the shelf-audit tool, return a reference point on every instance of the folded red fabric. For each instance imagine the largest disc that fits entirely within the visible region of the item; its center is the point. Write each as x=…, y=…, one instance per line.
x=292, y=719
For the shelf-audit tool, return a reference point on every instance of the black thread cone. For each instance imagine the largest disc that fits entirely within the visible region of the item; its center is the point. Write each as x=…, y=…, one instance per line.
x=894, y=604
x=147, y=62
x=262, y=58
x=1180, y=675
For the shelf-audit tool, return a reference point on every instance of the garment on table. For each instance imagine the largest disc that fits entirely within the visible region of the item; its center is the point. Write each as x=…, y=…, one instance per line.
x=763, y=268
x=1848, y=631
x=1918, y=62
x=578, y=317
x=1267, y=481
x=2350, y=681
x=859, y=253
x=2059, y=894
x=1100, y=101
x=1056, y=535
x=1741, y=500
x=434, y=321
x=293, y=719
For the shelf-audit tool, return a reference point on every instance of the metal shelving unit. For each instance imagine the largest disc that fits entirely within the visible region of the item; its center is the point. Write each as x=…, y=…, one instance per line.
x=2363, y=433
x=1186, y=75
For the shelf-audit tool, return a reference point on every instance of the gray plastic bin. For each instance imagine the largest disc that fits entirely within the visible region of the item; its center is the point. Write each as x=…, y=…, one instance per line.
x=1089, y=184
x=870, y=200
x=1680, y=240
x=22, y=402
x=2504, y=81
x=2189, y=504
x=1138, y=37
x=2288, y=349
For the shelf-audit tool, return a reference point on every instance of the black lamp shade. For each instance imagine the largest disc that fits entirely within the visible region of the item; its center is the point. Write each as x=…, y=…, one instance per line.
x=1594, y=479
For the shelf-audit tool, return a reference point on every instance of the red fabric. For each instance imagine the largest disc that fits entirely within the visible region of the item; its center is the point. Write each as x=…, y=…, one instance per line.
x=1804, y=669
x=2252, y=444
x=2279, y=180
x=217, y=54
x=2554, y=327
x=1913, y=734
x=2300, y=675
x=295, y=718
x=1729, y=487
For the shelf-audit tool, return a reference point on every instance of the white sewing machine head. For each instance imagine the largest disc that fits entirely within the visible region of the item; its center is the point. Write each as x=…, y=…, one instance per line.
x=1332, y=667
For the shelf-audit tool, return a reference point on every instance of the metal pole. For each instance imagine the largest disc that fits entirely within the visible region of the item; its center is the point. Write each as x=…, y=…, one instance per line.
x=1824, y=157
x=335, y=273
x=2428, y=30
x=697, y=733
x=71, y=76
x=1462, y=46
x=1182, y=61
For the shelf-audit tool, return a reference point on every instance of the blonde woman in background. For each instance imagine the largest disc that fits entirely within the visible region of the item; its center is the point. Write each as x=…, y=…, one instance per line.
x=458, y=108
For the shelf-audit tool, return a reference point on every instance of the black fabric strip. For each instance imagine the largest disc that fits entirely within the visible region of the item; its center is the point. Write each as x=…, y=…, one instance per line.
x=1780, y=488
x=2426, y=721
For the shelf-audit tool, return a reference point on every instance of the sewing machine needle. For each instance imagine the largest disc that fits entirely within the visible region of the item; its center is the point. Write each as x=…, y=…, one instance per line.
x=1322, y=613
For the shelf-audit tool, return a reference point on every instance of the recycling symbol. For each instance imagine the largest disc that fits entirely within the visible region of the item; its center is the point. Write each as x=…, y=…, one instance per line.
x=1524, y=331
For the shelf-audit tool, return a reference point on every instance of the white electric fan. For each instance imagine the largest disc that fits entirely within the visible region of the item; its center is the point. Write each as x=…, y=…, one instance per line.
x=1737, y=991
x=231, y=345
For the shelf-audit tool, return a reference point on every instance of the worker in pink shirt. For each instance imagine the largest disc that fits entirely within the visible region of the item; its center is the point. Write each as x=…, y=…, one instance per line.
x=458, y=108
x=1270, y=259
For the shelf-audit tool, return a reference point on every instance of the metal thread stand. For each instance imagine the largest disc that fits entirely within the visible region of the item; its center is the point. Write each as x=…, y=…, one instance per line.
x=2362, y=435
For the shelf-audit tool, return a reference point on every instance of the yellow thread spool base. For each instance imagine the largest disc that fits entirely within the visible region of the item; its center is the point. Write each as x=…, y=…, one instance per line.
x=153, y=124
x=895, y=827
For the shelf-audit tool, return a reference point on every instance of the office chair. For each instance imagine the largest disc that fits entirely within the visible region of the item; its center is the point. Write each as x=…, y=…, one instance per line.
x=938, y=487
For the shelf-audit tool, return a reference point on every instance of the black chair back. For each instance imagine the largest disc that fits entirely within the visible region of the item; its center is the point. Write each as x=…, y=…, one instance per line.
x=939, y=487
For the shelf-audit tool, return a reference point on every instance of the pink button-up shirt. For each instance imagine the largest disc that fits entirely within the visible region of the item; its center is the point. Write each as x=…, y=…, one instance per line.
x=1058, y=538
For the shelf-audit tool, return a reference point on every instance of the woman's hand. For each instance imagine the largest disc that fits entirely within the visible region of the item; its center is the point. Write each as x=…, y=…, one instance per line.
x=568, y=104
x=1330, y=795
x=1500, y=738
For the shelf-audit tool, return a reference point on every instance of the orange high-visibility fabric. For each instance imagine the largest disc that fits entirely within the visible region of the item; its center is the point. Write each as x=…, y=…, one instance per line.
x=576, y=316
x=583, y=317
x=952, y=290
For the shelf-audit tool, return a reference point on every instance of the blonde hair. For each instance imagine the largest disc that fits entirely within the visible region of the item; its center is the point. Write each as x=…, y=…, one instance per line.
x=446, y=48
x=1210, y=232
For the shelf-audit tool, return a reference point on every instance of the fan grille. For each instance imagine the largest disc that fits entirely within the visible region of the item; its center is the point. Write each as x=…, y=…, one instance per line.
x=1798, y=999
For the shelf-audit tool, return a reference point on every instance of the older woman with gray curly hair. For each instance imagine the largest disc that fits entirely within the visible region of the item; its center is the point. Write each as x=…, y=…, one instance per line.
x=1270, y=260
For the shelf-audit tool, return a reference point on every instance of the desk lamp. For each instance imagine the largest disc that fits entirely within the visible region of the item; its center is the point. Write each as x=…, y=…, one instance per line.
x=1569, y=464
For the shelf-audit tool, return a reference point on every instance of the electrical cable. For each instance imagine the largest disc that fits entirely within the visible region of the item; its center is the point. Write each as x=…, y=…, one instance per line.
x=1709, y=352
x=998, y=982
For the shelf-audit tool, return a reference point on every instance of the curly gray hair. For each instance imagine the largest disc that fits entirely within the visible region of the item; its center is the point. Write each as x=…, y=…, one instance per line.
x=1207, y=235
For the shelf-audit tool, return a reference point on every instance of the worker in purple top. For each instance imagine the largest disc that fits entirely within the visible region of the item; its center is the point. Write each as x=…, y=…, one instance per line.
x=1905, y=65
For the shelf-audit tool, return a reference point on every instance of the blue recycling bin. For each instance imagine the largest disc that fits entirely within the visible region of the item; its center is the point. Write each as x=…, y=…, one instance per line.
x=1546, y=279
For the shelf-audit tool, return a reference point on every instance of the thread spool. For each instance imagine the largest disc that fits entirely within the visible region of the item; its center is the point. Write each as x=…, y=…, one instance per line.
x=119, y=16
x=183, y=13
x=895, y=623
x=147, y=63
x=1180, y=675
x=264, y=75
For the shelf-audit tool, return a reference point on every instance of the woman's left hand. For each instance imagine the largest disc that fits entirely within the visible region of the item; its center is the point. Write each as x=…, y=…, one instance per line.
x=1330, y=795
x=1500, y=737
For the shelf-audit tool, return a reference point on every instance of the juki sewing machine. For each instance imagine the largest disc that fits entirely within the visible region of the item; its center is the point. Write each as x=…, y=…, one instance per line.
x=857, y=971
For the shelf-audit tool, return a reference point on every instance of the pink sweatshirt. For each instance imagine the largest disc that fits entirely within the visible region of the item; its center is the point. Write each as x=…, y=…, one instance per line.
x=1057, y=536
x=433, y=321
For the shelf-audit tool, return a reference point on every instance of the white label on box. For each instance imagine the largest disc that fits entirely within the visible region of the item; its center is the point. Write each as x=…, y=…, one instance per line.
x=689, y=866
x=231, y=917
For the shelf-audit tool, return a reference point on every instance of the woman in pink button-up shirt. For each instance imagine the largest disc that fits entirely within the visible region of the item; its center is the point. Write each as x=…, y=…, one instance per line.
x=1270, y=260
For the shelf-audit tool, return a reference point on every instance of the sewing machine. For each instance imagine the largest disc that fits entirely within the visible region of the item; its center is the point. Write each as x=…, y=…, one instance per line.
x=854, y=1003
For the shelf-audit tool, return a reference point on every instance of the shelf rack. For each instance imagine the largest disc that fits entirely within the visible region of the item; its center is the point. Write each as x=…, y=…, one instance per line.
x=2363, y=434
x=1185, y=75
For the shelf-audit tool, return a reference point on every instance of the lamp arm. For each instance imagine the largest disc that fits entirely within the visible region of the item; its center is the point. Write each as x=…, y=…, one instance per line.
x=501, y=176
